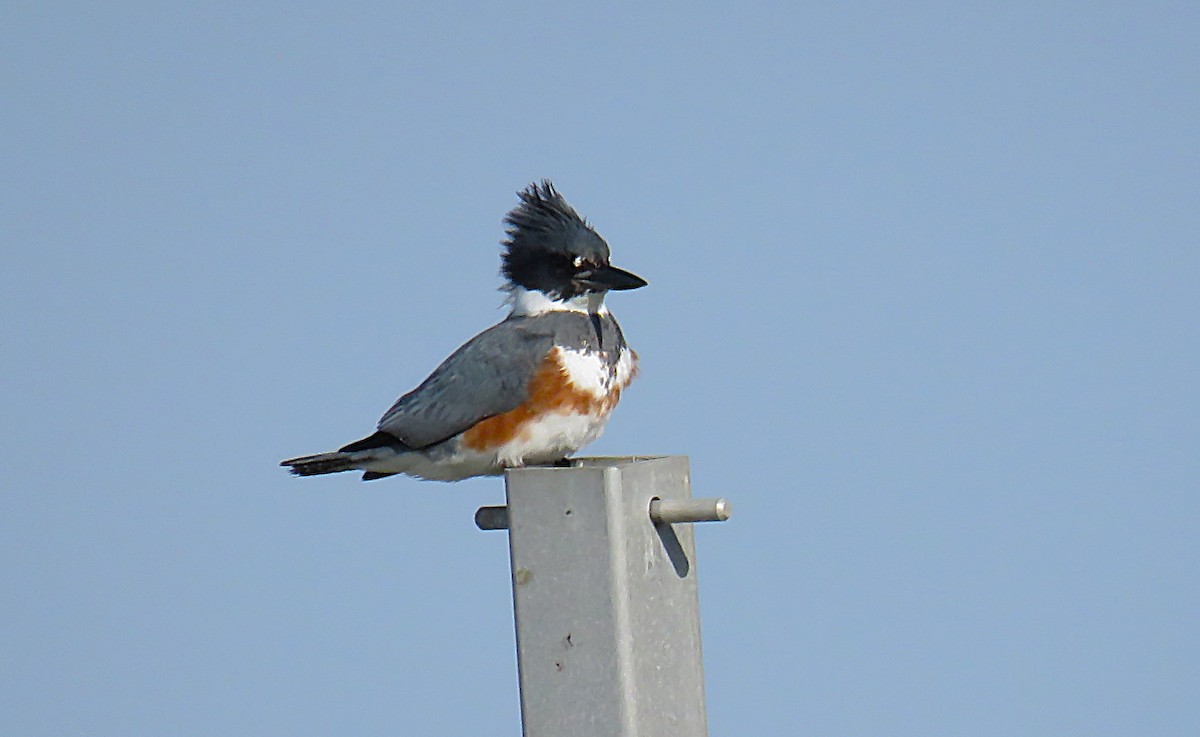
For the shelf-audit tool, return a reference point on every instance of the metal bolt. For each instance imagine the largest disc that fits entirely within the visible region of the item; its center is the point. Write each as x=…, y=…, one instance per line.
x=492, y=518
x=670, y=511
x=662, y=511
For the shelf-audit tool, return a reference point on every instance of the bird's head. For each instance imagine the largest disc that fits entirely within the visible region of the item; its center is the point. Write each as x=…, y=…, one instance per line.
x=552, y=251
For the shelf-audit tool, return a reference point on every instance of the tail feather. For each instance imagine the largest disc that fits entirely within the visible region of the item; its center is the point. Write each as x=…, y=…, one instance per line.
x=355, y=456
x=380, y=439
x=315, y=465
x=376, y=475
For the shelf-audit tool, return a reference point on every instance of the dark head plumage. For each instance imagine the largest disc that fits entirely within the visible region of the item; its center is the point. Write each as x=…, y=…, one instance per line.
x=551, y=249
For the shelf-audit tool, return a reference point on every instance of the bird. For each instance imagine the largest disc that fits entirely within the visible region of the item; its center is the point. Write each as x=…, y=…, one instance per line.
x=530, y=390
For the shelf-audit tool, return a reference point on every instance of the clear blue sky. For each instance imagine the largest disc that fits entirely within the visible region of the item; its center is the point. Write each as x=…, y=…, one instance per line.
x=923, y=304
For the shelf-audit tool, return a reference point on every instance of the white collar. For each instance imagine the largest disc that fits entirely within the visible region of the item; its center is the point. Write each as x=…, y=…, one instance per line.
x=529, y=302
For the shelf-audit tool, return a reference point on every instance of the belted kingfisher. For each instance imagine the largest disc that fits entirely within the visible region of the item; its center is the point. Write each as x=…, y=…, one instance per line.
x=532, y=389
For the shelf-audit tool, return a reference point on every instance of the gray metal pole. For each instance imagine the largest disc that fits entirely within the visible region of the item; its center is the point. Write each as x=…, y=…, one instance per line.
x=607, y=617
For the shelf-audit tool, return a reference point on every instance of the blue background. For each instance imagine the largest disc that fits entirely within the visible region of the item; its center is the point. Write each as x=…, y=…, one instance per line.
x=923, y=305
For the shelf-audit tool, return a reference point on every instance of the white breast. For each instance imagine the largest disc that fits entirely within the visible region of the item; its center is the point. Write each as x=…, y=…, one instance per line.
x=559, y=434
x=591, y=372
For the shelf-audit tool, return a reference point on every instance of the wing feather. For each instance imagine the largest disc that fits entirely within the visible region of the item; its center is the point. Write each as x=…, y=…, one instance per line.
x=487, y=376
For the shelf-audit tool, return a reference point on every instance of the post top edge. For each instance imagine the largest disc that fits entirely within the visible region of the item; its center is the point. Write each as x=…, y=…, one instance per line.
x=599, y=463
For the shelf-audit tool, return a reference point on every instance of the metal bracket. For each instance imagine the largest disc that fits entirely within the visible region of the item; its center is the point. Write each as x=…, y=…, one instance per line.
x=662, y=512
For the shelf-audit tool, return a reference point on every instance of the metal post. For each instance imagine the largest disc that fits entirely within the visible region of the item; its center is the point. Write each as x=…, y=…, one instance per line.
x=604, y=591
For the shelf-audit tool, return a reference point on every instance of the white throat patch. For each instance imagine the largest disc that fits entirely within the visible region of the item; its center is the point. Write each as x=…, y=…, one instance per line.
x=528, y=302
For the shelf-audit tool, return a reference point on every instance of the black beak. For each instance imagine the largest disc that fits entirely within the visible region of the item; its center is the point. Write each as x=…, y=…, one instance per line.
x=609, y=277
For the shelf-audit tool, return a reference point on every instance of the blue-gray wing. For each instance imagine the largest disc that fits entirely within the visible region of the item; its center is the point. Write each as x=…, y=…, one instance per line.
x=487, y=376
